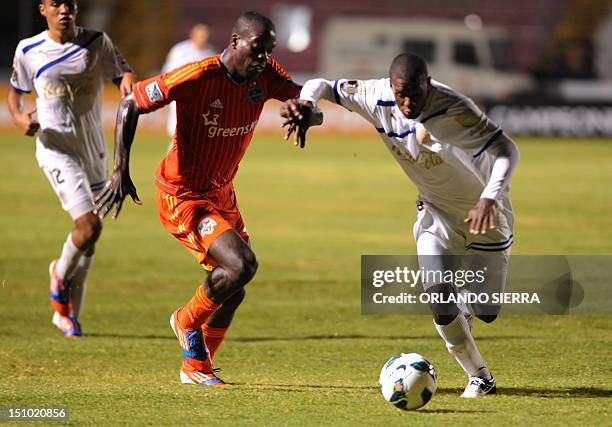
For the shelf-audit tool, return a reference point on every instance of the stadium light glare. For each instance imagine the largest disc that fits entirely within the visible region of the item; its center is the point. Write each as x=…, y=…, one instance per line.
x=473, y=22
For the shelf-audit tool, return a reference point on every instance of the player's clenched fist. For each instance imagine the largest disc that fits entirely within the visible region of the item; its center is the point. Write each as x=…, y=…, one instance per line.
x=26, y=123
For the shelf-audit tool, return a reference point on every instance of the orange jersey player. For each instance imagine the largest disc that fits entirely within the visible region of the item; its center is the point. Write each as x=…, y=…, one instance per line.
x=219, y=100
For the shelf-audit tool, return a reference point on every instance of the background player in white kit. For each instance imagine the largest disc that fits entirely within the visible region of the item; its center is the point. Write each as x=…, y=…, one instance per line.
x=66, y=65
x=461, y=164
x=195, y=48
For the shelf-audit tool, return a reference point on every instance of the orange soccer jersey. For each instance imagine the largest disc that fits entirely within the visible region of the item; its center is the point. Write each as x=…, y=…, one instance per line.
x=216, y=117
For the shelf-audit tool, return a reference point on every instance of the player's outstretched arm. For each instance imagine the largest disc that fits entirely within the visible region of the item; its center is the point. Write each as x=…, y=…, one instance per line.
x=22, y=119
x=120, y=184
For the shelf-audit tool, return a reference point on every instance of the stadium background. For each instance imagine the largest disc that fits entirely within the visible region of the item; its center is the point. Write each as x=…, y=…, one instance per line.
x=300, y=352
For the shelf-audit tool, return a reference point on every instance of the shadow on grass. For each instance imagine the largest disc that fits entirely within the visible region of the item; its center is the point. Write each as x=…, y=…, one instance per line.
x=302, y=338
x=589, y=392
x=449, y=411
x=570, y=392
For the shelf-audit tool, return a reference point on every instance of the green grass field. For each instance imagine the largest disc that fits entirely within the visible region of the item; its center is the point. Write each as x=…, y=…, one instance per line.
x=300, y=352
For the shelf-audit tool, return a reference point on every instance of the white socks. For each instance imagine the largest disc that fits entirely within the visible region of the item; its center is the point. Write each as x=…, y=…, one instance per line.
x=73, y=264
x=460, y=343
x=79, y=284
x=68, y=259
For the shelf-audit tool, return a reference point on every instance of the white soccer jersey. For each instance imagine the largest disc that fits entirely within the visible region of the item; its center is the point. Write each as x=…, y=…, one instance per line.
x=454, y=168
x=179, y=55
x=68, y=80
x=185, y=52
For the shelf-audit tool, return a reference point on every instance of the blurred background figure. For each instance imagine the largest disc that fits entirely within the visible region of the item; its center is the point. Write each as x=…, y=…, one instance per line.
x=195, y=48
x=536, y=68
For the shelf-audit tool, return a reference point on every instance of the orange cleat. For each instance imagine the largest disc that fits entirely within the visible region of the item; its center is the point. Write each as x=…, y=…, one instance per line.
x=59, y=292
x=197, y=366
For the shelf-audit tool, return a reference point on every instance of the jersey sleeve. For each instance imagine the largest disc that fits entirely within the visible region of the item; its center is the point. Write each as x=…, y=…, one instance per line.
x=21, y=76
x=463, y=125
x=154, y=93
x=280, y=85
x=357, y=96
x=113, y=63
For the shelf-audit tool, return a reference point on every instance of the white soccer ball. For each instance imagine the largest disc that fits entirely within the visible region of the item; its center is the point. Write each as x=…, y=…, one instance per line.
x=408, y=381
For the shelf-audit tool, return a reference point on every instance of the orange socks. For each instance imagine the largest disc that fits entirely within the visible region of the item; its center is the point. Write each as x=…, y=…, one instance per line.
x=213, y=337
x=197, y=311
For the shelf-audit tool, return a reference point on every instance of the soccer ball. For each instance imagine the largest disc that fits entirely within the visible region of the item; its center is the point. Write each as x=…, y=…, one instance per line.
x=408, y=381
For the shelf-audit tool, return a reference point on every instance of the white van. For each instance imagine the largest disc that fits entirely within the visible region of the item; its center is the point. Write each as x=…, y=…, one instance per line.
x=479, y=63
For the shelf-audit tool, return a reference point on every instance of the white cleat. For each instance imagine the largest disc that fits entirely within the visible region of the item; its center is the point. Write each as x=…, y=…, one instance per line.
x=68, y=325
x=479, y=387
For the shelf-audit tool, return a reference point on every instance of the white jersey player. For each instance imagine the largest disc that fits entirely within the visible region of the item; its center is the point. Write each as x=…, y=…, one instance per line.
x=459, y=161
x=66, y=67
x=195, y=48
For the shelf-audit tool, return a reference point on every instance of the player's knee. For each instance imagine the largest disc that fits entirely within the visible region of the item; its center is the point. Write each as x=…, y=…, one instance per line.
x=249, y=267
x=244, y=268
x=89, y=227
x=487, y=318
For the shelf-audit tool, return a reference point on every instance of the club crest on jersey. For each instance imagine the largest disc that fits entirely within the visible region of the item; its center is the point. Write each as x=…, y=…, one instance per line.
x=216, y=104
x=154, y=93
x=89, y=58
x=255, y=93
x=206, y=226
x=351, y=87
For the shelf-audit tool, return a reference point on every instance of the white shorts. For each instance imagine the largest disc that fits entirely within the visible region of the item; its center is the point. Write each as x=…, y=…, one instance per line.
x=74, y=184
x=445, y=244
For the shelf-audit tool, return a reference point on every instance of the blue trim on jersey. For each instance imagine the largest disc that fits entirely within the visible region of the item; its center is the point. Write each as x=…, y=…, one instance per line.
x=20, y=90
x=488, y=143
x=396, y=135
x=97, y=186
x=336, y=94
x=68, y=55
x=385, y=103
x=501, y=248
x=32, y=46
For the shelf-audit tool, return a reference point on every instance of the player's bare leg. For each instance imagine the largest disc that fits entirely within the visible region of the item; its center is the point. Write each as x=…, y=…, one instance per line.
x=217, y=325
x=69, y=273
x=237, y=266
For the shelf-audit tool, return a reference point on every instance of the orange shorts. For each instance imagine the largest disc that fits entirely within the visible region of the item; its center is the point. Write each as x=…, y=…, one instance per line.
x=196, y=223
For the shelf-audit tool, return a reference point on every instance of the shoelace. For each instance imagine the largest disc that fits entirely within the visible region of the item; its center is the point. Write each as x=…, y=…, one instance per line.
x=477, y=381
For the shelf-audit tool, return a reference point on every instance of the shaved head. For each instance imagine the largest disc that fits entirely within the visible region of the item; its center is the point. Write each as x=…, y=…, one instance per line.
x=410, y=83
x=253, y=39
x=250, y=23
x=409, y=68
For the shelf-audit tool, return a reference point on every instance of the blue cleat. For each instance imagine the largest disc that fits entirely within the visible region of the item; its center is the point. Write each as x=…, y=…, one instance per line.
x=68, y=325
x=197, y=367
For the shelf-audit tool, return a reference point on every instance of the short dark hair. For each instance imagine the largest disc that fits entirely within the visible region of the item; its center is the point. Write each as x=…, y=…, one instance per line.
x=251, y=21
x=409, y=67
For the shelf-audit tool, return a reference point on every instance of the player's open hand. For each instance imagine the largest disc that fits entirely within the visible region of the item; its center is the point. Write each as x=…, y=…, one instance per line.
x=114, y=193
x=482, y=217
x=297, y=114
x=26, y=122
